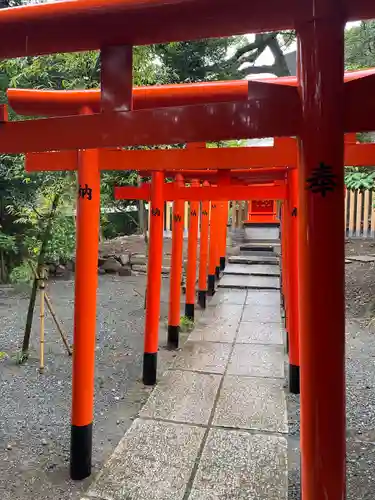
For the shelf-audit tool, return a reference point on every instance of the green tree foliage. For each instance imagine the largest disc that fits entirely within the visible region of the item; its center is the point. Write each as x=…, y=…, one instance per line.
x=222, y=58
x=360, y=54
x=25, y=199
x=360, y=46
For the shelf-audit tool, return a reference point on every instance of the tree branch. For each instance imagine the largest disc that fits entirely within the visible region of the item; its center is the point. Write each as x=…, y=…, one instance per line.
x=260, y=43
x=281, y=67
x=257, y=70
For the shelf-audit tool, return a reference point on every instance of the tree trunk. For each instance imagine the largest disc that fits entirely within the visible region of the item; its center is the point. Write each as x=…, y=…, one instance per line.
x=30, y=312
x=3, y=269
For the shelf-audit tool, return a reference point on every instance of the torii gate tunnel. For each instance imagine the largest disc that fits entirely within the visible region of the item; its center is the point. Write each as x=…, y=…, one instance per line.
x=318, y=110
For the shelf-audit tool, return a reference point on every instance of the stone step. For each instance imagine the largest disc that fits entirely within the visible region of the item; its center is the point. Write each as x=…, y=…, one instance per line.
x=250, y=282
x=254, y=259
x=252, y=270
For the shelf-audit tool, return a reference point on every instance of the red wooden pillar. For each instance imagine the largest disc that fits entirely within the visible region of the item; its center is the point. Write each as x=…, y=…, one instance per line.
x=284, y=259
x=86, y=283
x=321, y=253
x=223, y=246
x=176, y=271
x=116, y=94
x=293, y=298
x=203, y=252
x=155, y=257
x=191, y=274
x=219, y=229
x=212, y=250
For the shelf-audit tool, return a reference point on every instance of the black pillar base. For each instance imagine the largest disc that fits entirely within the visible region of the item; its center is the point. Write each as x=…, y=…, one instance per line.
x=189, y=311
x=173, y=336
x=211, y=285
x=80, y=451
x=217, y=272
x=294, y=386
x=202, y=298
x=223, y=262
x=150, y=362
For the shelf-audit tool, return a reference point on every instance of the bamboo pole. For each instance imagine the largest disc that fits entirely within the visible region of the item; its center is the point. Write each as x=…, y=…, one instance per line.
x=30, y=311
x=359, y=214
x=351, y=213
x=366, y=213
x=53, y=314
x=41, y=326
x=346, y=211
x=373, y=219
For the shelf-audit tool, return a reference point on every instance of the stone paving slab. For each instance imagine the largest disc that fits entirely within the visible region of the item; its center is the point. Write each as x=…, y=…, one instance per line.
x=208, y=357
x=252, y=403
x=153, y=461
x=264, y=314
x=222, y=312
x=236, y=297
x=252, y=282
x=183, y=396
x=256, y=360
x=253, y=259
x=263, y=298
x=254, y=269
x=260, y=333
x=218, y=331
x=362, y=258
x=237, y=465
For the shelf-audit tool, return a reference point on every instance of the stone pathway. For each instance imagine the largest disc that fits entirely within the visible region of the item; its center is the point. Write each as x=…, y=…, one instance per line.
x=215, y=426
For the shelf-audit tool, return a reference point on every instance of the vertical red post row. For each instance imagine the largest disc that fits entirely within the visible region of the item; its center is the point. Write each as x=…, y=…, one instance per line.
x=212, y=250
x=293, y=297
x=155, y=258
x=203, y=252
x=321, y=253
x=86, y=282
x=176, y=270
x=192, y=257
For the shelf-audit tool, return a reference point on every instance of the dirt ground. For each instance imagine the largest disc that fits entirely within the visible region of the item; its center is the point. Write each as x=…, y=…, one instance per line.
x=35, y=409
x=360, y=380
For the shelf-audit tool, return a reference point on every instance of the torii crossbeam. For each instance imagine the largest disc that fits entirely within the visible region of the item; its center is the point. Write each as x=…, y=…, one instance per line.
x=318, y=112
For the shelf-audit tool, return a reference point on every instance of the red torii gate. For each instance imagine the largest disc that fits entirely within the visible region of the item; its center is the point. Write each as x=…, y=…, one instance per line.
x=319, y=114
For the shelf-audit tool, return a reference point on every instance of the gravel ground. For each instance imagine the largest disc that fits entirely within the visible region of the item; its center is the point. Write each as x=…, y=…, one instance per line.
x=360, y=379
x=35, y=409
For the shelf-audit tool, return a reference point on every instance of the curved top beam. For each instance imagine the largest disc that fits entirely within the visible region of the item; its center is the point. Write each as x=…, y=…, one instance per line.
x=29, y=102
x=91, y=24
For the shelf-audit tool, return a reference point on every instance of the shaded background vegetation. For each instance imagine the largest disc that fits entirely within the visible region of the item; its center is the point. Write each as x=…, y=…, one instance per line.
x=25, y=200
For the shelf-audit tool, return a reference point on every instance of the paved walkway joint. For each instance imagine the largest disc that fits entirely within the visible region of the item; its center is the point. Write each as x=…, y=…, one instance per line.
x=216, y=424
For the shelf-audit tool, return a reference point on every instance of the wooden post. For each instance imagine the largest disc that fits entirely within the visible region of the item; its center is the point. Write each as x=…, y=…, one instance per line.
x=41, y=326
x=203, y=253
x=293, y=297
x=212, y=251
x=321, y=283
x=86, y=282
x=176, y=271
x=223, y=246
x=191, y=275
x=155, y=257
